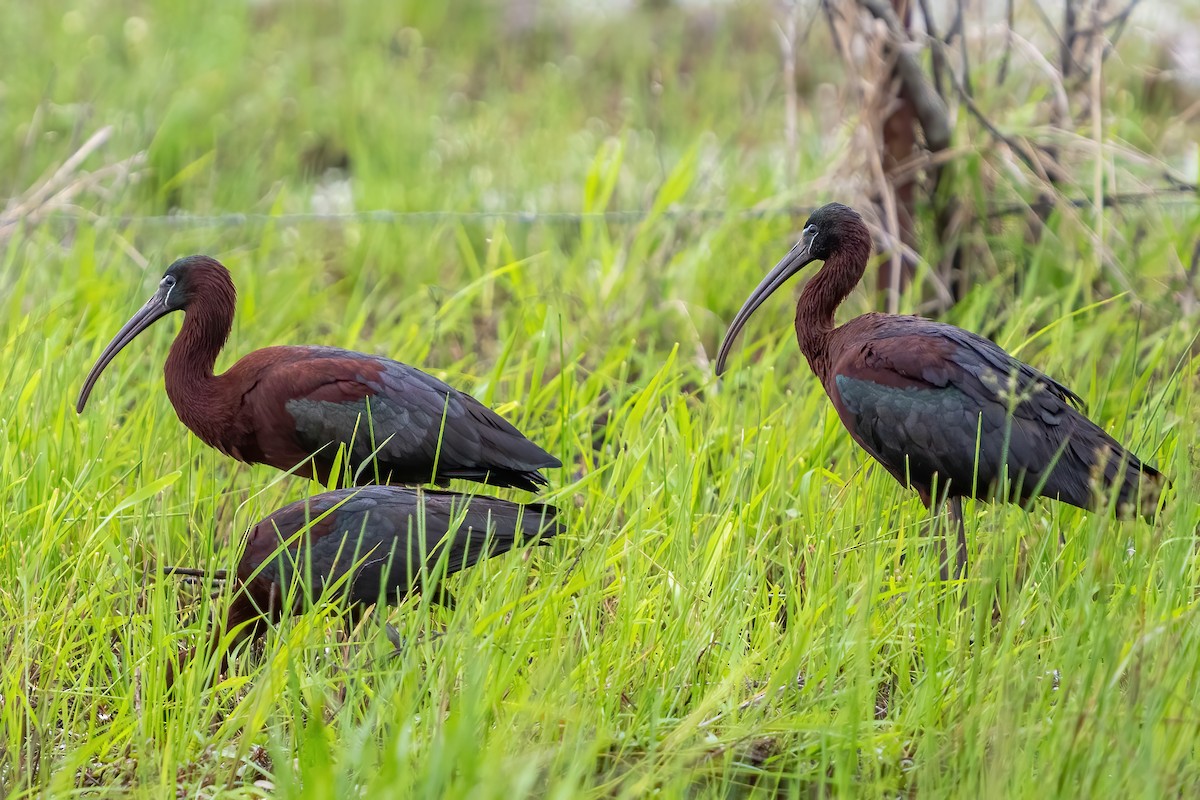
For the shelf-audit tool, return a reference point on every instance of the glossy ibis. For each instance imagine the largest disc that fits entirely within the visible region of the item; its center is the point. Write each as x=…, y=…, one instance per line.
x=943, y=409
x=291, y=407
x=370, y=544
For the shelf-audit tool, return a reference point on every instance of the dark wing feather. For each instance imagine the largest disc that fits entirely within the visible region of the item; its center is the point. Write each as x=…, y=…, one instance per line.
x=476, y=441
x=971, y=352
x=391, y=538
x=935, y=403
x=391, y=416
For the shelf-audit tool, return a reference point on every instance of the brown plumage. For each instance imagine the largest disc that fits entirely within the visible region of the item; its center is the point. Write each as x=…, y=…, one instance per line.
x=370, y=544
x=922, y=397
x=291, y=407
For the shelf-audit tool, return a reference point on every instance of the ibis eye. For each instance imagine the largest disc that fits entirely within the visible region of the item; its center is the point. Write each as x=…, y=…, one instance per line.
x=168, y=281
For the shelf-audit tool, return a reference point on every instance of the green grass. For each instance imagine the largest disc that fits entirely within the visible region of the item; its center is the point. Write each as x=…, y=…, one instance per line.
x=743, y=603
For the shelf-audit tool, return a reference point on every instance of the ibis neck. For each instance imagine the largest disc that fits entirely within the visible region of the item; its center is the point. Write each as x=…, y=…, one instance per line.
x=820, y=299
x=193, y=389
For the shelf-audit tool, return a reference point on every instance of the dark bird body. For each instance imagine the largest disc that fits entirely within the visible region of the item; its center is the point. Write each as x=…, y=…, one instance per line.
x=370, y=544
x=290, y=407
x=376, y=543
x=945, y=411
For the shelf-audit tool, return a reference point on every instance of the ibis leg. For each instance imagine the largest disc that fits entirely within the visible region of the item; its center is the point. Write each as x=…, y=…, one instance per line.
x=393, y=636
x=944, y=562
x=444, y=599
x=956, y=514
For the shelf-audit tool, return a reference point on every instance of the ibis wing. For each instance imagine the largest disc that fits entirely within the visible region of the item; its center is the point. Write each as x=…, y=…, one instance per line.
x=476, y=439
x=937, y=404
x=403, y=419
x=399, y=423
x=388, y=536
x=982, y=357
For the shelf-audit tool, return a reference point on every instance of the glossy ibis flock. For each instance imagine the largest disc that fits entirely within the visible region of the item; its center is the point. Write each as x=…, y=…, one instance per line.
x=945, y=411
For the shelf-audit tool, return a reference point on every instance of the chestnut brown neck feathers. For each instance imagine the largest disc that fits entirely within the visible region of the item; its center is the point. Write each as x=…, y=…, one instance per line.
x=825, y=291
x=207, y=321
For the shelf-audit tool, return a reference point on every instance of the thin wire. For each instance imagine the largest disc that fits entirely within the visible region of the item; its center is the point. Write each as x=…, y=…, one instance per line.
x=391, y=217
x=1167, y=196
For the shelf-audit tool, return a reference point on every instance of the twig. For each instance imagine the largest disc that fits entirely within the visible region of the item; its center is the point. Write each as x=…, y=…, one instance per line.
x=1028, y=157
x=1062, y=104
x=896, y=245
x=1119, y=19
x=1187, y=296
x=94, y=143
x=927, y=102
x=1067, y=51
x=787, y=46
x=962, y=46
x=1096, y=81
x=907, y=170
x=192, y=572
x=838, y=44
x=1194, y=267
x=891, y=218
x=57, y=190
x=1008, y=39
x=936, y=56
x=1062, y=45
x=1179, y=183
x=957, y=25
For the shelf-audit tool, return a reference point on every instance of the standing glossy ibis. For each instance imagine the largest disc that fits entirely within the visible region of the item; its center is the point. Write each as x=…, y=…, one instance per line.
x=945, y=411
x=291, y=407
x=370, y=544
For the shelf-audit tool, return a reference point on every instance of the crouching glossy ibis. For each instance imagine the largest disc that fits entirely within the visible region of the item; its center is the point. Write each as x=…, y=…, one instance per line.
x=945, y=411
x=291, y=407
x=370, y=544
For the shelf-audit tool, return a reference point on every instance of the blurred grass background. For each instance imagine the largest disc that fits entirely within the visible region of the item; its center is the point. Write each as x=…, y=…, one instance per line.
x=744, y=604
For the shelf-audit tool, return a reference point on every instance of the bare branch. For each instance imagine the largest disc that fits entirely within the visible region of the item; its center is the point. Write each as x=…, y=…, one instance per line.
x=927, y=102
x=938, y=58
x=786, y=32
x=1008, y=39
x=962, y=42
x=1118, y=20
x=892, y=242
x=1097, y=98
x=838, y=44
x=1025, y=153
x=58, y=190
x=192, y=572
x=957, y=25
x=1066, y=60
x=1053, y=30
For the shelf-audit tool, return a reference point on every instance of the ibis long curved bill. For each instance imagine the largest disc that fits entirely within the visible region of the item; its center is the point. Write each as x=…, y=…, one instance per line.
x=293, y=407
x=155, y=309
x=946, y=411
x=798, y=258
